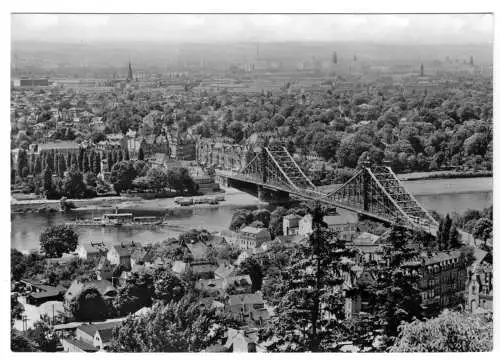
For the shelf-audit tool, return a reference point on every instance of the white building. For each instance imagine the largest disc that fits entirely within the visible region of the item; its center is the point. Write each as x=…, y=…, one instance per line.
x=291, y=224
x=305, y=225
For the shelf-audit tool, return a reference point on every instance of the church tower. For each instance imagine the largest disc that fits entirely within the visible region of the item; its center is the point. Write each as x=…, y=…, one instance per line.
x=130, y=75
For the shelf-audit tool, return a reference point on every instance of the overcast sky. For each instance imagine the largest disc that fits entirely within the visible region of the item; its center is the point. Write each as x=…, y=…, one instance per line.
x=450, y=28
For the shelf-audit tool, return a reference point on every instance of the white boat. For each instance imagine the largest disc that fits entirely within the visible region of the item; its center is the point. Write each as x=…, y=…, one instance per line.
x=123, y=219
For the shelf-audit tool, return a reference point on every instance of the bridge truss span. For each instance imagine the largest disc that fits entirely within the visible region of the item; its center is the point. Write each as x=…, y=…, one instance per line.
x=372, y=191
x=379, y=192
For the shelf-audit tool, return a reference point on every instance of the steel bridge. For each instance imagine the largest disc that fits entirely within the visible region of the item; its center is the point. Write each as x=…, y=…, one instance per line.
x=374, y=192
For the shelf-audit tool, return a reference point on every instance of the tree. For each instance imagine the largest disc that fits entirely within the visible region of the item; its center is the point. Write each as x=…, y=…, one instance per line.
x=476, y=144
x=69, y=134
x=443, y=234
x=109, y=159
x=311, y=303
x=454, y=238
x=183, y=326
x=22, y=161
x=168, y=287
x=276, y=221
x=20, y=343
x=74, y=162
x=61, y=166
x=137, y=292
x=141, y=167
x=17, y=264
x=483, y=229
x=140, y=156
x=126, y=155
x=96, y=164
x=157, y=178
x=327, y=146
x=81, y=156
x=98, y=137
x=122, y=175
x=16, y=308
x=277, y=120
x=69, y=161
x=89, y=305
x=73, y=185
x=85, y=164
x=402, y=300
x=114, y=156
x=38, y=166
x=193, y=236
x=449, y=332
x=252, y=267
x=235, y=131
x=350, y=148
x=394, y=295
x=90, y=179
x=180, y=181
x=57, y=240
x=48, y=186
x=240, y=219
x=44, y=337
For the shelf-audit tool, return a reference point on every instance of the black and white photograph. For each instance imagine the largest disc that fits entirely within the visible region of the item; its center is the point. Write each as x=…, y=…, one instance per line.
x=251, y=182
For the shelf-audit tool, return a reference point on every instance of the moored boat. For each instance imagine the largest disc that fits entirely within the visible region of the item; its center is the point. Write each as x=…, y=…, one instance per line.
x=117, y=220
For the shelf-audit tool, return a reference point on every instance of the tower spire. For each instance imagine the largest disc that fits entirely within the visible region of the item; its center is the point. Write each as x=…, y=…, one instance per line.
x=130, y=75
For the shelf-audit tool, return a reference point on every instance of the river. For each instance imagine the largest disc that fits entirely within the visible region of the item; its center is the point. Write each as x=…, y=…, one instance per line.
x=443, y=196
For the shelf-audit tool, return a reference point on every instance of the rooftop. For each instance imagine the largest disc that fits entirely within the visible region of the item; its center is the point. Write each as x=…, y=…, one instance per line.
x=245, y=299
x=59, y=145
x=292, y=217
x=103, y=286
x=46, y=294
x=179, y=267
x=442, y=256
x=126, y=249
x=198, y=250
x=81, y=345
x=252, y=230
x=366, y=239
x=106, y=334
x=92, y=328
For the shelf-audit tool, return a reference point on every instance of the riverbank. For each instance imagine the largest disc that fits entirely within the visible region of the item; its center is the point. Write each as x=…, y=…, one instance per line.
x=436, y=186
x=232, y=197
x=438, y=175
x=46, y=206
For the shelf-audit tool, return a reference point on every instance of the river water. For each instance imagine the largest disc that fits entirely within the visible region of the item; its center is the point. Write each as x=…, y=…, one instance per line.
x=443, y=196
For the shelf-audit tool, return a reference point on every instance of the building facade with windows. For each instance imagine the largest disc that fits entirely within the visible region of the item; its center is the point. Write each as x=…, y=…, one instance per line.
x=443, y=278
